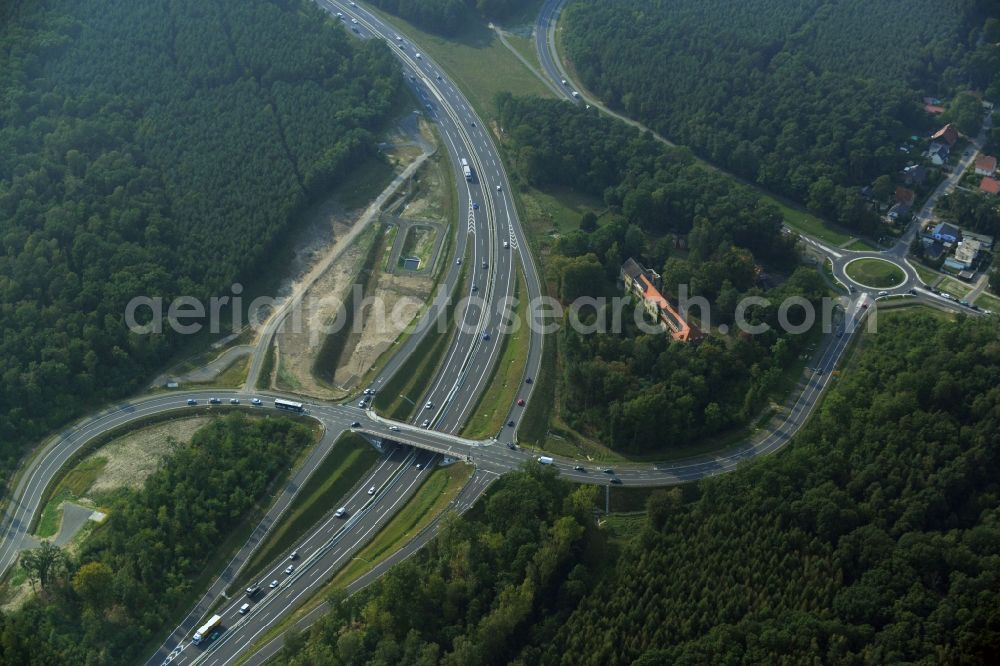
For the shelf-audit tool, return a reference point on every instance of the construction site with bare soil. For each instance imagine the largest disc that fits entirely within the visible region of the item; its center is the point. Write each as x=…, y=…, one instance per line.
x=359, y=295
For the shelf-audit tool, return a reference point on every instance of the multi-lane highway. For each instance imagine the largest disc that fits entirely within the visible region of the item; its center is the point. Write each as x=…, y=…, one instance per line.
x=490, y=248
x=491, y=241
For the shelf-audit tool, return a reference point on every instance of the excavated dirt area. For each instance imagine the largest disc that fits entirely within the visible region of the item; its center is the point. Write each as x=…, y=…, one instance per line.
x=298, y=343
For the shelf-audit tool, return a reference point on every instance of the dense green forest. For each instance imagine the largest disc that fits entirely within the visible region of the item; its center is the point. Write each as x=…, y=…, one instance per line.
x=809, y=98
x=159, y=149
x=105, y=603
x=871, y=539
x=639, y=392
x=446, y=17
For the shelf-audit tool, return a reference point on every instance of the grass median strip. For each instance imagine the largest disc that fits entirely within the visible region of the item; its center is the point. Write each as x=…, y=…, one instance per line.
x=351, y=458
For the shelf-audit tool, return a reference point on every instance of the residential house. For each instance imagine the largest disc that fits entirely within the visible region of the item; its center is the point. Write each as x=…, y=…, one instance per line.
x=946, y=233
x=986, y=165
x=904, y=201
x=947, y=134
x=644, y=284
x=985, y=242
x=915, y=174
x=938, y=153
x=933, y=248
x=990, y=185
x=966, y=252
x=897, y=211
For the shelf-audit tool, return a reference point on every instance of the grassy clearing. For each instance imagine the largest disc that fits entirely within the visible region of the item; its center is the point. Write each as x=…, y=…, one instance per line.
x=433, y=497
x=476, y=60
x=989, y=302
x=508, y=375
x=954, y=287
x=351, y=458
x=876, y=273
x=557, y=212
x=623, y=527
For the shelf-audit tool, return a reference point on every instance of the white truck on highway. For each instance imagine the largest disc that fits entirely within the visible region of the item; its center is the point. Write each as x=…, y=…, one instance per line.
x=544, y=460
x=207, y=628
x=466, y=170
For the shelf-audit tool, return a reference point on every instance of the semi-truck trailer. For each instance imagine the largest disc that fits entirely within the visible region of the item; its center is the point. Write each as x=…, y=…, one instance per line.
x=207, y=628
x=466, y=169
x=545, y=460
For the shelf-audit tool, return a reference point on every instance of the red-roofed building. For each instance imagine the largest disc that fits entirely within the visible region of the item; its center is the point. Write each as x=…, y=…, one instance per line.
x=933, y=109
x=948, y=134
x=642, y=283
x=986, y=165
x=905, y=196
x=990, y=185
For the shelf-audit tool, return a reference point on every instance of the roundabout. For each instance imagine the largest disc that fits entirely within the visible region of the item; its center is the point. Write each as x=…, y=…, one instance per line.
x=875, y=273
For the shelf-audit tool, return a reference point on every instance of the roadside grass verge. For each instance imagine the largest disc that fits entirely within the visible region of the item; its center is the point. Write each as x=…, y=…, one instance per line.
x=861, y=245
x=350, y=459
x=506, y=377
x=928, y=276
x=388, y=240
x=805, y=222
x=434, y=495
x=73, y=486
x=534, y=426
x=988, y=301
x=525, y=46
x=233, y=376
x=475, y=59
x=266, y=369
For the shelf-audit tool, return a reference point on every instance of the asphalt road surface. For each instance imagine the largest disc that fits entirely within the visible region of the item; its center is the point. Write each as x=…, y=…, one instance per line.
x=452, y=393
